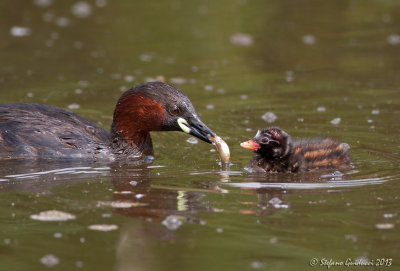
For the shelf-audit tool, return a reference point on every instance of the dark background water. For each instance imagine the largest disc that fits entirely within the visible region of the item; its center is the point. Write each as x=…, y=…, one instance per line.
x=308, y=62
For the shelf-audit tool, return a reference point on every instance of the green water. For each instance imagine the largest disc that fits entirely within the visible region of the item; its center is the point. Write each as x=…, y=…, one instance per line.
x=308, y=62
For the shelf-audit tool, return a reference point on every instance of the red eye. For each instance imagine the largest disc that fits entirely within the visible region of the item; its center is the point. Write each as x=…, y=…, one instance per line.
x=174, y=110
x=264, y=140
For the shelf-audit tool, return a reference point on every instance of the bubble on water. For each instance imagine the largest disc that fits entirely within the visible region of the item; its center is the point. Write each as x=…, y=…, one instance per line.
x=208, y=87
x=321, y=109
x=146, y=57
x=178, y=80
x=273, y=240
x=7, y=241
x=192, y=140
x=370, y=121
x=81, y=9
x=269, y=117
x=20, y=31
x=336, y=121
x=195, y=69
x=394, y=39
x=172, y=222
x=49, y=260
x=139, y=196
x=30, y=94
x=78, y=44
x=62, y=21
x=351, y=237
x=43, y=3
x=129, y=78
x=49, y=43
x=74, y=106
x=133, y=183
x=123, y=88
x=116, y=76
x=52, y=215
x=57, y=235
x=106, y=215
x=386, y=18
x=389, y=215
x=308, y=39
x=78, y=91
x=79, y=264
x=103, y=227
x=241, y=39
x=244, y=97
x=289, y=76
x=375, y=112
x=300, y=119
x=47, y=17
x=82, y=240
x=219, y=230
x=275, y=201
x=210, y=106
x=221, y=91
x=384, y=226
x=54, y=35
x=256, y=265
x=101, y=3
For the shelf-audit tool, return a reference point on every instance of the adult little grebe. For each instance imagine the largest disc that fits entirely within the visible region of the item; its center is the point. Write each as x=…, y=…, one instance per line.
x=275, y=152
x=43, y=131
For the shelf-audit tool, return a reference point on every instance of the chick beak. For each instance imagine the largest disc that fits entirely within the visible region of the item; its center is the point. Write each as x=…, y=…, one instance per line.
x=250, y=145
x=195, y=127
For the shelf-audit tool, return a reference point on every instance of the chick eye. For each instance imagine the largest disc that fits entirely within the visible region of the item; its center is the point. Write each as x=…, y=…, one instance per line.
x=174, y=110
x=264, y=140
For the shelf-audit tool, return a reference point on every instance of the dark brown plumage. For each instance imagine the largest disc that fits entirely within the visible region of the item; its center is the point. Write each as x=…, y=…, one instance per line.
x=43, y=131
x=276, y=152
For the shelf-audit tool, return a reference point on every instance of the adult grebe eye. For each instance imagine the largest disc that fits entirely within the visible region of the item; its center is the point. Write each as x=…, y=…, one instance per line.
x=264, y=140
x=174, y=110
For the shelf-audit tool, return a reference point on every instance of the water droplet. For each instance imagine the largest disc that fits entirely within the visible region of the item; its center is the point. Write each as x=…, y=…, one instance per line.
x=43, y=3
x=172, y=222
x=336, y=121
x=52, y=215
x=178, y=80
x=101, y=3
x=269, y=117
x=210, y=106
x=192, y=140
x=241, y=39
x=375, y=112
x=20, y=31
x=62, y=21
x=103, y=227
x=308, y=39
x=385, y=226
x=208, y=88
x=74, y=106
x=129, y=78
x=49, y=260
x=394, y=39
x=146, y=57
x=81, y=9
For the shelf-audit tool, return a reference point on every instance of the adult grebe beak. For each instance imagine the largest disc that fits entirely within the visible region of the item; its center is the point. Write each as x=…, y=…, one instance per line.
x=195, y=127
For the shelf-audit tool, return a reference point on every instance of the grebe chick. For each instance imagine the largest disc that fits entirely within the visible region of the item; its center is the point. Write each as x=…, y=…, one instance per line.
x=43, y=131
x=276, y=152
